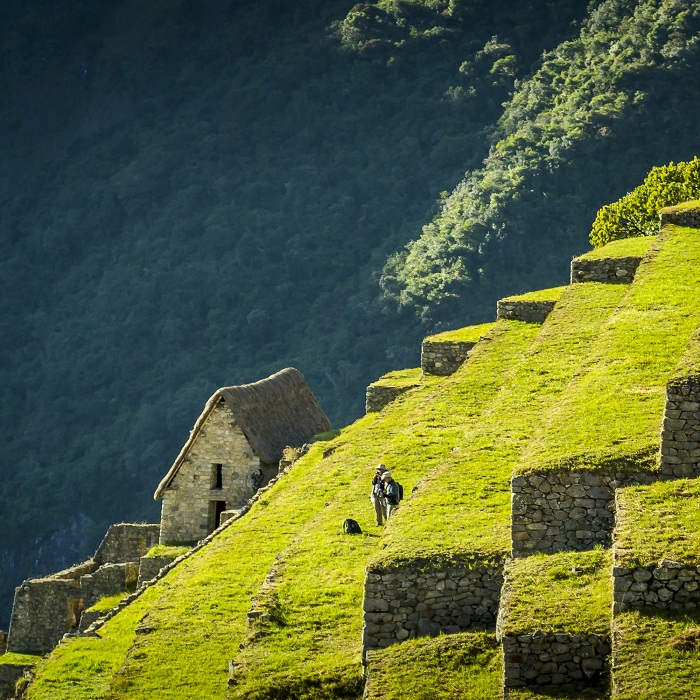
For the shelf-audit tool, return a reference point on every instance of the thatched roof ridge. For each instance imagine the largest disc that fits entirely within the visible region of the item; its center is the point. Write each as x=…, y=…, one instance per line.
x=274, y=412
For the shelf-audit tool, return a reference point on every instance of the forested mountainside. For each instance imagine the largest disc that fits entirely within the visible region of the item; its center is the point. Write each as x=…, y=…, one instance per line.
x=196, y=194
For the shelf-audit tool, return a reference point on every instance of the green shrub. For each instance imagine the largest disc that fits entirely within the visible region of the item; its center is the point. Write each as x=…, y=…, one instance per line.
x=637, y=213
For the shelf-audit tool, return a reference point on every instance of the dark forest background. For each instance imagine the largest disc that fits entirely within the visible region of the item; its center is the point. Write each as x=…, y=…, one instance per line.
x=196, y=194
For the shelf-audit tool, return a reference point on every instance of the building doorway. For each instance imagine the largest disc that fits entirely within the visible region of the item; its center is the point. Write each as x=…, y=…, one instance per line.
x=216, y=508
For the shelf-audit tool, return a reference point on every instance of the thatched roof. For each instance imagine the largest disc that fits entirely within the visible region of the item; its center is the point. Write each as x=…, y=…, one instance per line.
x=273, y=413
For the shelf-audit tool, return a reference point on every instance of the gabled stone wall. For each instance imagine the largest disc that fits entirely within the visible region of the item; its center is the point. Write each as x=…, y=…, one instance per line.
x=607, y=270
x=528, y=311
x=680, y=433
x=557, y=511
x=186, y=514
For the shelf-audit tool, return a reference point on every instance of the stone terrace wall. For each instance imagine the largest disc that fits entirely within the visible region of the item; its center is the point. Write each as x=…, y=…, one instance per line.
x=680, y=433
x=607, y=270
x=688, y=217
x=9, y=675
x=528, y=311
x=150, y=566
x=409, y=602
x=41, y=614
x=666, y=585
x=560, y=511
x=377, y=397
x=443, y=358
x=126, y=542
x=554, y=659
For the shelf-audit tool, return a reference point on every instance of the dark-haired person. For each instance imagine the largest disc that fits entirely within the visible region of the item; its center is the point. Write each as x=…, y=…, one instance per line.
x=392, y=493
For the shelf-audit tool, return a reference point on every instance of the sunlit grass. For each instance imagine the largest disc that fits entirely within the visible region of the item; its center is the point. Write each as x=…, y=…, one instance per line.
x=648, y=663
x=564, y=592
x=462, y=510
x=659, y=521
x=610, y=414
x=465, y=666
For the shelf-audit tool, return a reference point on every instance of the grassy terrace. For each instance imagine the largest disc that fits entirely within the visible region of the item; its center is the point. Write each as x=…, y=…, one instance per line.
x=688, y=368
x=400, y=378
x=470, y=334
x=12, y=659
x=564, y=592
x=192, y=621
x=552, y=294
x=465, y=666
x=657, y=656
x=462, y=511
x=624, y=248
x=315, y=601
x=610, y=415
x=660, y=521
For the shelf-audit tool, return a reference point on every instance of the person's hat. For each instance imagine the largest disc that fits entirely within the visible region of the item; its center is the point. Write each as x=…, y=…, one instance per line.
x=381, y=468
x=386, y=474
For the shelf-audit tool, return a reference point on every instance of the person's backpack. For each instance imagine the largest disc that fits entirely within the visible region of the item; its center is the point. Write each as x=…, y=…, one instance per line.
x=352, y=527
x=400, y=491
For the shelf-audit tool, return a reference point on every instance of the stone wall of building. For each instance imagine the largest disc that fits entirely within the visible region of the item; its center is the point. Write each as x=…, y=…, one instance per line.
x=126, y=542
x=188, y=503
x=607, y=270
x=528, y=311
x=414, y=602
x=666, y=585
x=378, y=396
x=557, y=511
x=687, y=217
x=554, y=659
x=680, y=432
x=443, y=358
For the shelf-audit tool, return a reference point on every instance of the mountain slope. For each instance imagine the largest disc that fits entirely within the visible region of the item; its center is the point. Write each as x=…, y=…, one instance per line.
x=458, y=440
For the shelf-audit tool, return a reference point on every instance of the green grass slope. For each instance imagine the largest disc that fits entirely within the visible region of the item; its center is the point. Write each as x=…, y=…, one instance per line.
x=318, y=583
x=463, y=666
x=610, y=415
x=462, y=510
x=176, y=642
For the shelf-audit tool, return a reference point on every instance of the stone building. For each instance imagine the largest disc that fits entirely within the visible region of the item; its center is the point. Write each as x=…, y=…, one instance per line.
x=241, y=429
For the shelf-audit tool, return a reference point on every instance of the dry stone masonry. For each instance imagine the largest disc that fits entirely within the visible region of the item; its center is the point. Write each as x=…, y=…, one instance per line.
x=666, y=585
x=680, y=436
x=607, y=270
x=217, y=469
x=46, y=608
x=557, y=511
x=380, y=395
x=684, y=217
x=443, y=357
x=528, y=311
x=554, y=659
x=412, y=602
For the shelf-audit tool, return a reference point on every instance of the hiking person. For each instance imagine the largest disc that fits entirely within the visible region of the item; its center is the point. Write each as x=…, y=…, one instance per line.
x=392, y=493
x=257, y=478
x=377, y=494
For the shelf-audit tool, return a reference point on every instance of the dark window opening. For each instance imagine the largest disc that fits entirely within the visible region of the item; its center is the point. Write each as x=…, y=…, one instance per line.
x=216, y=508
x=217, y=476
